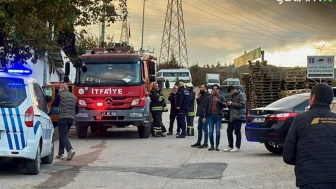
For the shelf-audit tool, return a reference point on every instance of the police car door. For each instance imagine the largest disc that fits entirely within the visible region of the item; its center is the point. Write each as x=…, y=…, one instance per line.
x=41, y=116
x=13, y=105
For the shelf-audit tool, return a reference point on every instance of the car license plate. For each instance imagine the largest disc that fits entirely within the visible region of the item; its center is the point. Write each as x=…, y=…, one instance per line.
x=109, y=114
x=258, y=120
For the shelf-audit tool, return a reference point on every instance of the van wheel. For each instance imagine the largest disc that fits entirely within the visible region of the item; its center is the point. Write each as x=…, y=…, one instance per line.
x=81, y=131
x=275, y=149
x=33, y=166
x=50, y=158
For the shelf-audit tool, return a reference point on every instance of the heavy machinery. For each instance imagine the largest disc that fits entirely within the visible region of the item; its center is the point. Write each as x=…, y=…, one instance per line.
x=112, y=86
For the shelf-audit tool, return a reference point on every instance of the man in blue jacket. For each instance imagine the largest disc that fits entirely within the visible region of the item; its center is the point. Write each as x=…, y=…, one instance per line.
x=182, y=108
x=311, y=142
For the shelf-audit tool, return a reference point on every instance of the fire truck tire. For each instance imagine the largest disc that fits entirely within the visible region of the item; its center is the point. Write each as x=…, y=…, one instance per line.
x=81, y=131
x=144, y=132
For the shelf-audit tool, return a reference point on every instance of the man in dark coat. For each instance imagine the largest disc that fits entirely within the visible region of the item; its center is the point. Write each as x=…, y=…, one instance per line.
x=173, y=112
x=182, y=108
x=191, y=111
x=311, y=145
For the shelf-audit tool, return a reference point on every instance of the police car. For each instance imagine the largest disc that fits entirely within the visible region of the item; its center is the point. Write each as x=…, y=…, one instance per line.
x=26, y=130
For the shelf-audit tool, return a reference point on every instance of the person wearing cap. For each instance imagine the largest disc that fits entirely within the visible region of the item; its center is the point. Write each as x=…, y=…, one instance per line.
x=191, y=112
x=311, y=142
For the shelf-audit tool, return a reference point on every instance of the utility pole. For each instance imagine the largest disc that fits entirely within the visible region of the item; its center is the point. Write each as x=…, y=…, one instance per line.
x=143, y=26
x=102, y=31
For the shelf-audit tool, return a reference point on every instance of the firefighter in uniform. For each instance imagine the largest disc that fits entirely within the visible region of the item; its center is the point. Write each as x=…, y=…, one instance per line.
x=182, y=108
x=191, y=110
x=157, y=107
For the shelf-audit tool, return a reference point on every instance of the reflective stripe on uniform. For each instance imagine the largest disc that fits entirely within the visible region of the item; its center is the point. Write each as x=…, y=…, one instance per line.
x=191, y=114
x=161, y=98
x=156, y=108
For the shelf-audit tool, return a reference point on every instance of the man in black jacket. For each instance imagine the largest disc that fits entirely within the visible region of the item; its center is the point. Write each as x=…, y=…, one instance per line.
x=182, y=108
x=202, y=101
x=191, y=110
x=173, y=112
x=157, y=102
x=310, y=144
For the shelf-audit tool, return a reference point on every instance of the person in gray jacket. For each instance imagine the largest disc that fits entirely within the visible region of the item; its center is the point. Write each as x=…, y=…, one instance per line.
x=237, y=107
x=67, y=102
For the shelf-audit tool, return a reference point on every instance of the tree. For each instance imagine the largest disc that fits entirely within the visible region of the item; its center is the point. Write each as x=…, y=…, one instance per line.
x=218, y=65
x=23, y=31
x=177, y=81
x=85, y=42
x=167, y=84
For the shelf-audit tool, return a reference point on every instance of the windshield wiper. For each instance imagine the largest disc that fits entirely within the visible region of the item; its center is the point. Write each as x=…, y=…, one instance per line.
x=6, y=103
x=123, y=81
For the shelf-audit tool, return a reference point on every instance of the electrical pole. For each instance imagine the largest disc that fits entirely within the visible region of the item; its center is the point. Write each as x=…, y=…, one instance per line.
x=143, y=26
x=102, y=32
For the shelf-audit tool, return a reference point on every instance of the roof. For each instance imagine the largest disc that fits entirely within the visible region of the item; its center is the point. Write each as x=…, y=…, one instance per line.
x=174, y=70
x=28, y=78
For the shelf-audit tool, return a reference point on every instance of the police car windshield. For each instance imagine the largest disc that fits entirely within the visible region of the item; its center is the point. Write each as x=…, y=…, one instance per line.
x=128, y=73
x=12, y=92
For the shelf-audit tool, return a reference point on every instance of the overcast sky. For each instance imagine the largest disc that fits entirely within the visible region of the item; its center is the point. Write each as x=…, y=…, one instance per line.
x=221, y=30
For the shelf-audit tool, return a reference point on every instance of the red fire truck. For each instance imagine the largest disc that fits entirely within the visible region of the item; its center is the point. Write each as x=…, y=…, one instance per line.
x=112, y=87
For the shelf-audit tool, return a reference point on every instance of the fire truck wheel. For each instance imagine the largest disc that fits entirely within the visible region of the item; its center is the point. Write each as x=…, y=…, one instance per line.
x=82, y=131
x=144, y=132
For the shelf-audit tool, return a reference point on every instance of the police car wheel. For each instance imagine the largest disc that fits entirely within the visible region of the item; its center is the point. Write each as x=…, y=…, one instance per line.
x=49, y=158
x=81, y=131
x=33, y=166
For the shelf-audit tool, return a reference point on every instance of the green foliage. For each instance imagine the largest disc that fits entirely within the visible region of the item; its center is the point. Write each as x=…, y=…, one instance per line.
x=171, y=64
x=23, y=24
x=167, y=84
x=177, y=80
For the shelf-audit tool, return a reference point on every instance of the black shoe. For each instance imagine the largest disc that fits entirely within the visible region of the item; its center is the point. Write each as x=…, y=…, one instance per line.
x=178, y=133
x=170, y=133
x=180, y=136
x=196, y=145
x=211, y=148
x=203, y=146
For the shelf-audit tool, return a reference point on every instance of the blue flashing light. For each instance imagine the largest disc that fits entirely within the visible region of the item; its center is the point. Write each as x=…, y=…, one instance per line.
x=18, y=69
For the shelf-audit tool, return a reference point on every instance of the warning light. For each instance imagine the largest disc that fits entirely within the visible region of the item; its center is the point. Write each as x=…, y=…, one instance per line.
x=18, y=69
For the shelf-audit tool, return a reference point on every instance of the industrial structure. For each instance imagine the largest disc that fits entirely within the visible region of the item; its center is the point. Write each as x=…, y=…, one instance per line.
x=173, y=38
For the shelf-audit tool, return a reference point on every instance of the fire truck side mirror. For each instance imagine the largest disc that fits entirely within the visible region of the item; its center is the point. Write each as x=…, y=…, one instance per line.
x=152, y=70
x=67, y=69
x=152, y=78
x=84, y=69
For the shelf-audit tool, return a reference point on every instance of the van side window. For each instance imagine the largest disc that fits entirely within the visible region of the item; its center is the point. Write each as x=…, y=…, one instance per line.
x=41, y=102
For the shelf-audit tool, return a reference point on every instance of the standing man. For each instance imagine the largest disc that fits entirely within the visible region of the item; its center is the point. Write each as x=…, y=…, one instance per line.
x=237, y=107
x=182, y=108
x=214, y=114
x=67, y=103
x=310, y=144
x=173, y=112
x=157, y=101
x=191, y=110
x=202, y=101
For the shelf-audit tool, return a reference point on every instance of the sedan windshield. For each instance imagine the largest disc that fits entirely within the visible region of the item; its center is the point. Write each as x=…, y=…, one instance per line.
x=112, y=73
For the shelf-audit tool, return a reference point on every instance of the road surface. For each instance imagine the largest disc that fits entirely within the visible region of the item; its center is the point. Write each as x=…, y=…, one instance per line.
x=121, y=160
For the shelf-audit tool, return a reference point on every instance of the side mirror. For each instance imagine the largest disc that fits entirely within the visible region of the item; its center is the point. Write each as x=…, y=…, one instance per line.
x=152, y=78
x=152, y=69
x=55, y=111
x=67, y=69
x=66, y=79
x=84, y=69
x=48, y=99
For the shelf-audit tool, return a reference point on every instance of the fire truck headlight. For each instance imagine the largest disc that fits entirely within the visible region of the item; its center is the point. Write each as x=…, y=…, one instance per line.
x=82, y=102
x=135, y=102
x=136, y=114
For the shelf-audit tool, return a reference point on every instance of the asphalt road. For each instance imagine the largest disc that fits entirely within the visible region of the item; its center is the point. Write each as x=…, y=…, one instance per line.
x=119, y=159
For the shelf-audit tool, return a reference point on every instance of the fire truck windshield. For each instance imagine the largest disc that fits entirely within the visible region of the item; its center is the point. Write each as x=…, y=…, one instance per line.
x=108, y=73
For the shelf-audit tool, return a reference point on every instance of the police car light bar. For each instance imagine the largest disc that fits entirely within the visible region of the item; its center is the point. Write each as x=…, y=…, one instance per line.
x=18, y=70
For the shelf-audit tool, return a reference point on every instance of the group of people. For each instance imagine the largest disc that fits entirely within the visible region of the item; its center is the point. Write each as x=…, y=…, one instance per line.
x=209, y=110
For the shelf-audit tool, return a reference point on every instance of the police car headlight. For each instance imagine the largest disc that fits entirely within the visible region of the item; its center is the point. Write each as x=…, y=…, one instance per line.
x=135, y=102
x=136, y=114
x=82, y=102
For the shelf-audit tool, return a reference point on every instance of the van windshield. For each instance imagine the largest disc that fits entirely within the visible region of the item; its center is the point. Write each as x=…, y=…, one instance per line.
x=12, y=92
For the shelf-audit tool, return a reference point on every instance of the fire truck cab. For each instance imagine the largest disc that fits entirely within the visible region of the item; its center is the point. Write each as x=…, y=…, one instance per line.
x=112, y=87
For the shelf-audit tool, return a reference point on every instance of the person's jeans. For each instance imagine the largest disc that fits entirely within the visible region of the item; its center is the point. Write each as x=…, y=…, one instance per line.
x=202, y=128
x=236, y=127
x=64, y=126
x=214, y=121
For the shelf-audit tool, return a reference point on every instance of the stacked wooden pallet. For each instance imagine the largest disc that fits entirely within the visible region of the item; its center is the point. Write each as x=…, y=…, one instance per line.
x=249, y=90
x=293, y=92
x=265, y=84
x=312, y=82
x=295, y=79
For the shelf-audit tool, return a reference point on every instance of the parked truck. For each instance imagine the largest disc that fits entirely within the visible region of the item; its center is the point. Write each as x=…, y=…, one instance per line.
x=112, y=86
x=212, y=79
